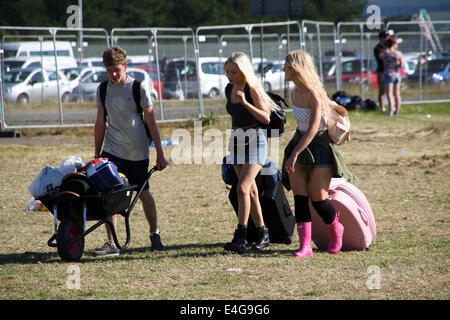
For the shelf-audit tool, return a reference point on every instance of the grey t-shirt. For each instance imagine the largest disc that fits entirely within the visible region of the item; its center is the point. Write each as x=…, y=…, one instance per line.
x=125, y=136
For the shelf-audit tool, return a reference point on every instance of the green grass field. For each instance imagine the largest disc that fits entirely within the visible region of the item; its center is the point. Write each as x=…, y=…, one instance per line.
x=403, y=164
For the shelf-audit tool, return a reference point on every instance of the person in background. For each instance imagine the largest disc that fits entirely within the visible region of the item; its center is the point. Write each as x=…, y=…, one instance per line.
x=164, y=66
x=172, y=82
x=249, y=107
x=393, y=62
x=378, y=53
x=126, y=143
x=310, y=159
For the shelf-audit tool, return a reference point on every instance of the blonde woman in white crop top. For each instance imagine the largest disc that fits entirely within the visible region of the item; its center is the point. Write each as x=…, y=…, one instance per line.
x=311, y=105
x=302, y=116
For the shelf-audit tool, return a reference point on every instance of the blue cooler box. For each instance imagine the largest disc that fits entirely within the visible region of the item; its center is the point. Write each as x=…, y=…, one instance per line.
x=106, y=177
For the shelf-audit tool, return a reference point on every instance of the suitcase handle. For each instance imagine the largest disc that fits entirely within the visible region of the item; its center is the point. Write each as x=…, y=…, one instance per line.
x=363, y=216
x=362, y=213
x=330, y=194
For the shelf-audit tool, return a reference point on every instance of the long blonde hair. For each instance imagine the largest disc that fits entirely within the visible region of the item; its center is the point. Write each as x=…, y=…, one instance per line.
x=305, y=70
x=245, y=66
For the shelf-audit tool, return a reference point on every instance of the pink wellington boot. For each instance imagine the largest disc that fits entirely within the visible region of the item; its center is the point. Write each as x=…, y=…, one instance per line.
x=304, y=234
x=336, y=234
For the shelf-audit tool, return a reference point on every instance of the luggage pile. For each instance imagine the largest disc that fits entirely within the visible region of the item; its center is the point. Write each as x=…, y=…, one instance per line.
x=100, y=173
x=355, y=213
x=354, y=102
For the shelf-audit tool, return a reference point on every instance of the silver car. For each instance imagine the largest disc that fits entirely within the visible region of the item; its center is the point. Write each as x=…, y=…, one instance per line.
x=23, y=86
x=89, y=83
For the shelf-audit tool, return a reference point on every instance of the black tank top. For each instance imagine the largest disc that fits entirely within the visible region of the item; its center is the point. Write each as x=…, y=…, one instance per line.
x=240, y=116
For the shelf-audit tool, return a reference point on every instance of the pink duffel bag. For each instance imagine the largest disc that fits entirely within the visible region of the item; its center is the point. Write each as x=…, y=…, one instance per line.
x=355, y=215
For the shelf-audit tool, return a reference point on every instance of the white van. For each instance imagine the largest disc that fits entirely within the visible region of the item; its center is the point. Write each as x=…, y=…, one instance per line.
x=212, y=77
x=22, y=63
x=64, y=52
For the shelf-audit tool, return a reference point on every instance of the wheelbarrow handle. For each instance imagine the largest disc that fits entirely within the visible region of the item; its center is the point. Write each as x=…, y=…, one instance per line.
x=140, y=189
x=127, y=214
x=149, y=174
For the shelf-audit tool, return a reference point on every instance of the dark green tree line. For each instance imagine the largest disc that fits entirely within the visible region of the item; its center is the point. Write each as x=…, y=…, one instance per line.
x=164, y=13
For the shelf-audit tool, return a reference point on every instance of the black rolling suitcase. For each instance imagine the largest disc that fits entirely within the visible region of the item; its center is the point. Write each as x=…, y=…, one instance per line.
x=277, y=213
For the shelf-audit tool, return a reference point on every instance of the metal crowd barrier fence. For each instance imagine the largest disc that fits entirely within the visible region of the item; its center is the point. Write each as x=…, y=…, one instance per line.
x=40, y=33
x=182, y=34
x=326, y=41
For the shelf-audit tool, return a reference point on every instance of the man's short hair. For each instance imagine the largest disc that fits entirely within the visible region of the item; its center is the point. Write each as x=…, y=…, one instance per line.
x=383, y=34
x=114, y=56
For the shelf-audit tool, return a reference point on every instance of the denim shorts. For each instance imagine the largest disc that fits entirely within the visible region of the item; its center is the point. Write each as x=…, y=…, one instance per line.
x=322, y=158
x=247, y=146
x=391, y=79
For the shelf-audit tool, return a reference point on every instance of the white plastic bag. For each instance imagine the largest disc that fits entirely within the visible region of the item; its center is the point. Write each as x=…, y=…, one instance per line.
x=33, y=205
x=48, y=179
x=71, y=164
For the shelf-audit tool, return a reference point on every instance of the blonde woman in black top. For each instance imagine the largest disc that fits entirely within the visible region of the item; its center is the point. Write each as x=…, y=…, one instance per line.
x=249, y=107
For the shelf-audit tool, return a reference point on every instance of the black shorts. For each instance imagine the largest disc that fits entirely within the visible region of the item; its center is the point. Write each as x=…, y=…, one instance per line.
x=322, y=158
x=135, y=171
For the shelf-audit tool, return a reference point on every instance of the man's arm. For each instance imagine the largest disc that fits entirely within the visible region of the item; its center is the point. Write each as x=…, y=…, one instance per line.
x=99, y=132
x=149, y=116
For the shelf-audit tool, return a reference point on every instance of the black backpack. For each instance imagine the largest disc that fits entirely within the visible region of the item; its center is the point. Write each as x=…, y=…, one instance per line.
x=356, y=104
x=137, y=100
x=371, y=105
x=277, y=117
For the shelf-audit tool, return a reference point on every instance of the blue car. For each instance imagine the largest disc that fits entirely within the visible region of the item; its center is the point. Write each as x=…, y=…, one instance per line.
x=435, y=71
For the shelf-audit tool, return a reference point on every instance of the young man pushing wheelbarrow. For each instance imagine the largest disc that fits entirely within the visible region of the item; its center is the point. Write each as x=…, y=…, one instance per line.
x=125, y=142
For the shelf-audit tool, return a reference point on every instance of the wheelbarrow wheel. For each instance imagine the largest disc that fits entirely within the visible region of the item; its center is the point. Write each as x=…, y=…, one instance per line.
x=69, y=229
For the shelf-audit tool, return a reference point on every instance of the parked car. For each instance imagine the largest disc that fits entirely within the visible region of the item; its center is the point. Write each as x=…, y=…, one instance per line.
x=144, y=77
x=152, y=72
x=23, y=86
x=92, y=63
x=212, y=77
x=74, y=75
x=89, y=83
x=435, y=71
x=273, y=75
x=351, y=72
x=22, y=63
x=326, y=66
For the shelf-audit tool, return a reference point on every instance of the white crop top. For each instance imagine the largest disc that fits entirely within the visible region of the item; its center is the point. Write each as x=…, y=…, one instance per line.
x=302, y=115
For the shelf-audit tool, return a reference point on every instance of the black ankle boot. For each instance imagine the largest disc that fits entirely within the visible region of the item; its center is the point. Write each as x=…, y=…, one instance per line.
x=238, y=242
x=263, y=241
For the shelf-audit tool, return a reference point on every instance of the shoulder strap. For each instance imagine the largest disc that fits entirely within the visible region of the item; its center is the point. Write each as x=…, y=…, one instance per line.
x=137, y=95
x=279, y=100
x=228, y=89
x=248, y=96
x=103, y=87
x=137, y=100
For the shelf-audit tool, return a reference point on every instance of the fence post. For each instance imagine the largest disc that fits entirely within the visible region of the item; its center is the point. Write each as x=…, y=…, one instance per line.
x=2, y=107
x=154, y=32
x=53, y=33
